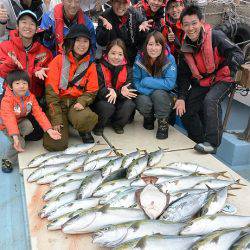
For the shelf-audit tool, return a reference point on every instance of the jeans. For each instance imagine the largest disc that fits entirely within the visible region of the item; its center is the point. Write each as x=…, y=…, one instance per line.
x=158, y=104
x=203, y=117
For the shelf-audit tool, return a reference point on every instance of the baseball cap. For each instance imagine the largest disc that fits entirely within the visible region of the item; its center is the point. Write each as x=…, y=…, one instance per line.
x=27, y=13
x=78, y=30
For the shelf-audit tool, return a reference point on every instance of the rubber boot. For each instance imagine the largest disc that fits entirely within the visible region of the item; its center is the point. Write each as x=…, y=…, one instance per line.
x=148, y=123
x=162, y=131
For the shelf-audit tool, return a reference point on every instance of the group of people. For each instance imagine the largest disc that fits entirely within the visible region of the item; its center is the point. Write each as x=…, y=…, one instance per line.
x=158, y=57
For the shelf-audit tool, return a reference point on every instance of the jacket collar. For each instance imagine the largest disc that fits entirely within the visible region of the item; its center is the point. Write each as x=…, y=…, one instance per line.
x=73, y=60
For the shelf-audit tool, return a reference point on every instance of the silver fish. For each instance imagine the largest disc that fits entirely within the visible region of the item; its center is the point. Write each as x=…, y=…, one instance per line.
x=110, y=186
x=112, y=166
x=161, y=242
x=98, y=163
x=127, y=160
x=41, y=158
x=155, y=157
x=89, y=185
x=99, y=154
x=57, y=202
x=114, y=235
x=59, y=159
x=80, y=148
x=94, y=219
x=242, y=244
x=185, y=208
x=210, y=223
x=215, y=202
x=128, y=245
x=42, y=171
x=165, y=171
x=70, y=177
x=73, y=206
x=137, y=167
x=215, y=184
x=51, y=177
x=76, y=162
x=61, y=189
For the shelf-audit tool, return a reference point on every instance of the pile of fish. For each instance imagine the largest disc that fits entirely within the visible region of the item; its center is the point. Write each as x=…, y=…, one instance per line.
x=128, y=202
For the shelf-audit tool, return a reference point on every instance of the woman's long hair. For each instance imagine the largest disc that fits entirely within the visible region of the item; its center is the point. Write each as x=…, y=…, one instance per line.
x=156, y=68
x=68, y=45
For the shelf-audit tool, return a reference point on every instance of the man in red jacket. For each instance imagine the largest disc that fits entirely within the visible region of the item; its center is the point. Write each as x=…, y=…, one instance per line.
x=24, y=51
x=205, y=77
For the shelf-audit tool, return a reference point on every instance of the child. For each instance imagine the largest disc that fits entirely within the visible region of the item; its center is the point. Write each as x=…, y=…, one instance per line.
x=154, y=78
x=16, y=104
x=71, y=87
x=114, y=98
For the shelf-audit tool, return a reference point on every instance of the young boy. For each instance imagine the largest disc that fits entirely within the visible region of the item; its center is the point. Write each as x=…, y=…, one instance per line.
x=16, y=104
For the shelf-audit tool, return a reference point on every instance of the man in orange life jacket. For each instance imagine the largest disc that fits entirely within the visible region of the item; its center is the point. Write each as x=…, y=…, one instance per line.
x=57, y=23
x=209, y=63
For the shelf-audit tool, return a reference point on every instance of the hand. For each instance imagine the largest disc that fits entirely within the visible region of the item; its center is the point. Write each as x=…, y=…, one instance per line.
x=145, y=26
x=58, y=128
x=17, y=144
x=78, y=106
x=54, y=134
x=171, y=35
x=3, y=14
x=180, y=107
x=128, y=93
x=41, y=73
x=106, y=24
x=111, y=96
x=15, y=60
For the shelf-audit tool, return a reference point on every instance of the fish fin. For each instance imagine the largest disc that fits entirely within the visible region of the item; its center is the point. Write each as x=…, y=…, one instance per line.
x=237, y=182
x=216, y=175
x=229, y=194
x=104, y=208
x=233, y=188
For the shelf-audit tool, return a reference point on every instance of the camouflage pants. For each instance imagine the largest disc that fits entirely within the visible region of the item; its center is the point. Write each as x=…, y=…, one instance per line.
x=83, y=121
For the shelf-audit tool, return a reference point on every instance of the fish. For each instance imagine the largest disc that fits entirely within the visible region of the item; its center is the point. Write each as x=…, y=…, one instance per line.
x=128, y=245
x=242, y=243
x=72, y=206
x=51, y=177
x=99, y=154
x=210, y=223
x=42, y=171
x=61, y=189
x=35, y=162
x=98, y=163
x=89, y=185
x=110, y=186
x=155, y=157
x=114, y=235
x=118, y=174
x=59, y=159
x=137, y=166
x=53, y=204
x=221, y=239
x=185, y=208
x=79, y=148
x=70, y=177
x=76, y=162
x=127, y=160
x=112, y=166
x=163, y=242
x=159, y=171
x=216, y=184
x=182, y=182
x=215, y=203
x=94, y=219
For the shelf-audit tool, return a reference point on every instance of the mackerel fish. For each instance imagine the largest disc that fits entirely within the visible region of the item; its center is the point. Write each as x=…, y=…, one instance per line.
x=165, y=171
x=111, y=167
x=216, y=184
x=98, y=163
x=59, y=159
x=137, y=166
x=242, y=244
x=76, y=162
x=155, y=157
x=99, y=154
x=94, y=219
x=128, y=245
x=114, y=235
x=128, y=158
x=51, y=177
x=80, y=148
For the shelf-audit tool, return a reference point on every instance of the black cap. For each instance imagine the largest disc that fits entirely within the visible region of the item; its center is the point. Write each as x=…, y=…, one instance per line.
x=78, y=30
x=27, y=13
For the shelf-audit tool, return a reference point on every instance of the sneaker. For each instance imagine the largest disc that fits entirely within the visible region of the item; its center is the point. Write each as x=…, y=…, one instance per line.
x=118, y=129
x=162, y=131
x=205, y=148
x=6, y=166
x=87, y=137
x=148, y=123
x=98, y=131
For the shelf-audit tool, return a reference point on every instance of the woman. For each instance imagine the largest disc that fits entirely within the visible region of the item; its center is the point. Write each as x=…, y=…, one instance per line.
x=154, y=78
x=71, y=86
x=114, y=98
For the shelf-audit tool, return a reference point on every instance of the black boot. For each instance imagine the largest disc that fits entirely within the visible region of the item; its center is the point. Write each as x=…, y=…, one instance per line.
x=87, y=137
x=6, y=166
x=162, y=132
x=148, y=123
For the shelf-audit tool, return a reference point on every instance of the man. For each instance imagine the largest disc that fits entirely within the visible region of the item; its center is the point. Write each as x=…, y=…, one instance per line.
x=205, y=77
x=172, y=30
x=124, y=22
x=23, y=51
x=57, y=23
x=10, y=9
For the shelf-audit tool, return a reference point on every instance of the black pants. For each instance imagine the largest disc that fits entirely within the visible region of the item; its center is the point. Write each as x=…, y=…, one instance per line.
x=203, y=117
x=119, y=113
